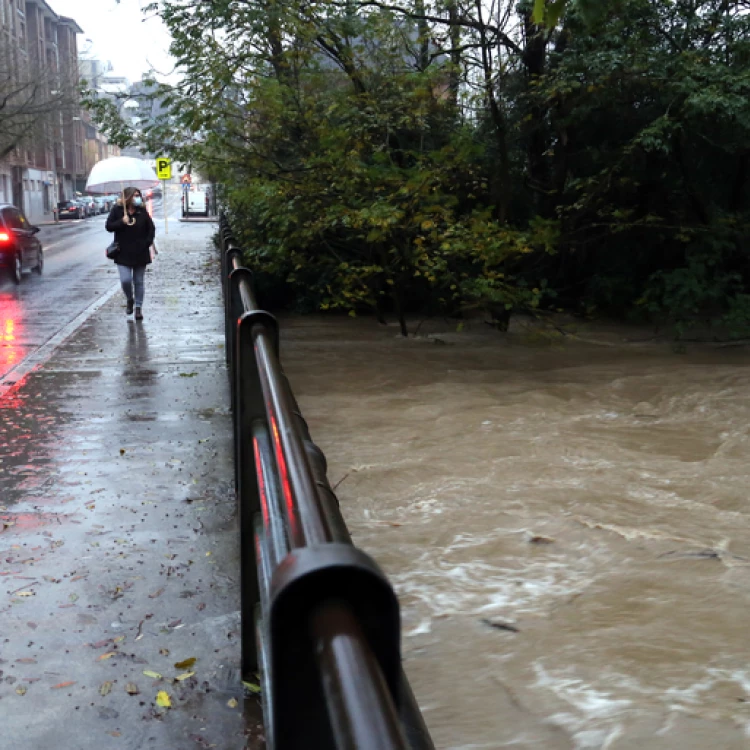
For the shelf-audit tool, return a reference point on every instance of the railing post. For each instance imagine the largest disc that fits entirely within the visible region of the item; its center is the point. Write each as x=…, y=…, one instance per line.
x=248, y=407
x=307, y=579
x=320, y=622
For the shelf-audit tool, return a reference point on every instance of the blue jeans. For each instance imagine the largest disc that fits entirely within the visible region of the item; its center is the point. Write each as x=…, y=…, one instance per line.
x=130, y=277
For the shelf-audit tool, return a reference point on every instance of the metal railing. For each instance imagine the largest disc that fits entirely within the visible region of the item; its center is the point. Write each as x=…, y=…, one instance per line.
x=320, y=621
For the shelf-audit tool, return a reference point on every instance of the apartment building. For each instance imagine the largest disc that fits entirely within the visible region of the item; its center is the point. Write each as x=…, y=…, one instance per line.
x=39, y=62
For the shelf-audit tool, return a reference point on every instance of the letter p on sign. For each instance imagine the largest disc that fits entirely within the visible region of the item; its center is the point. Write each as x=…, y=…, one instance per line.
x=164, y=169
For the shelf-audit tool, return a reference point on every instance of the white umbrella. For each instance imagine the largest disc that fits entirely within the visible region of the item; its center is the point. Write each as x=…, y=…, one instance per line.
x=118, y=172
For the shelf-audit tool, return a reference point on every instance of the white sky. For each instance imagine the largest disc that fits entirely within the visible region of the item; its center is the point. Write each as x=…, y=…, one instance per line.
x=119, y=33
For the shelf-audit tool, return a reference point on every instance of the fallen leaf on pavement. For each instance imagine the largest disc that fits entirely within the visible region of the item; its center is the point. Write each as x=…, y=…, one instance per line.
x=252, y=687
x=25, y=593
x=153, y=675
x=163, y=699
x=108, y=655
x=131, y=688
x=183, y=676
x=185, y=664
x=105, y=688
x=156, y=593
x=21, y=690
x=63, y=685
x=232, y=703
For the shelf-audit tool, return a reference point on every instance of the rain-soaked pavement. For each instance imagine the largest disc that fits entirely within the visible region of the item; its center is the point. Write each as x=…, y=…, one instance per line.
x=118, y=543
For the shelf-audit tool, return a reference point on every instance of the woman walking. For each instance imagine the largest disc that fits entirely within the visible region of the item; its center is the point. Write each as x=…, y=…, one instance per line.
x=134, y=233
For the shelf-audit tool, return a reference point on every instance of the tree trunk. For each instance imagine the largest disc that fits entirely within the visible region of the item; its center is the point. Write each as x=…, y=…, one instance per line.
x=500, y=181
x=534, y=59
x=424, y=35
x=275, y=43
x=398, y=306
x=739, y=188
x=454, y=78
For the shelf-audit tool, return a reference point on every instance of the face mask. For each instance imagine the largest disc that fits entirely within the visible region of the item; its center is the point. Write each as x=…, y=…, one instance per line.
x=137, y=201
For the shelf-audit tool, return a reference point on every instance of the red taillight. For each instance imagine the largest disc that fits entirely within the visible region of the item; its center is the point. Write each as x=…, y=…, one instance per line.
x=4, y=237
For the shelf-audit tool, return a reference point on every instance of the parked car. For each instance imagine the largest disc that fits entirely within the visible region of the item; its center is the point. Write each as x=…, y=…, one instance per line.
x=71, y=210
x=154, y=192
x=20, y=249
x=92, y=209
x=103, y=204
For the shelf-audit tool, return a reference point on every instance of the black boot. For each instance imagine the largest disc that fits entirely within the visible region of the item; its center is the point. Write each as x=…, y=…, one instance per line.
x=129, y=309
x=138, y=314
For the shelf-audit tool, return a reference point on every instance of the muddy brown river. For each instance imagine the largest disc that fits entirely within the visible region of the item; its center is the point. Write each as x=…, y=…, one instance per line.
x=565, y=521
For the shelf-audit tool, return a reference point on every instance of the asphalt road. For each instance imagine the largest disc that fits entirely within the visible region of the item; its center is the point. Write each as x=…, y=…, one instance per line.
x=77, y=279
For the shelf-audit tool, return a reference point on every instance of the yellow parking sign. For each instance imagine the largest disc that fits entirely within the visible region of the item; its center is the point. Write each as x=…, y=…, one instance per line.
x=164, y=168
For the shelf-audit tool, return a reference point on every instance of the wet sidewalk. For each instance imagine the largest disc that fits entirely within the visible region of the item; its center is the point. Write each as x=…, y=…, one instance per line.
x=118, y=542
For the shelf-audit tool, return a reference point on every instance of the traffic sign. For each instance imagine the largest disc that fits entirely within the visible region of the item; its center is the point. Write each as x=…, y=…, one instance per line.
x=164, y=168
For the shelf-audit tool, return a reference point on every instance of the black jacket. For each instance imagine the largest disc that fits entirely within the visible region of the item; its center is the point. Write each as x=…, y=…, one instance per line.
x=135, y=240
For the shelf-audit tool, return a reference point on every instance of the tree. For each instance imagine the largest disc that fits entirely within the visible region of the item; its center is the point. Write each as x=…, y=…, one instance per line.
x=31, y=102
x=649, y=124
x=334, y=130
x=447, y=154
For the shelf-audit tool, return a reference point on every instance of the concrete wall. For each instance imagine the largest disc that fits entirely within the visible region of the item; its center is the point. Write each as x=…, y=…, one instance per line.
x=5, y=190
x=39, y=192
x=33, y=195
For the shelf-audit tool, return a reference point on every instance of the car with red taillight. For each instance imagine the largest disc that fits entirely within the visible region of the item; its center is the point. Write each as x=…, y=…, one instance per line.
x=71, y=210
x=20, y=249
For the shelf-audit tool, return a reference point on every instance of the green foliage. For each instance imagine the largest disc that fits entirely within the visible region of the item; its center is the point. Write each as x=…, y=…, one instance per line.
x=387, y=157
x=649, y=121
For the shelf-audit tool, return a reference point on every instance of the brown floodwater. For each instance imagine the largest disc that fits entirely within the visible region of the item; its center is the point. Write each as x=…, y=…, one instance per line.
x=566, y=523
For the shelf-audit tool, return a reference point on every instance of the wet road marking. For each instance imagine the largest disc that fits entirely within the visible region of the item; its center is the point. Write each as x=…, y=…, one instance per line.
x=14, y=377
x=65, y=240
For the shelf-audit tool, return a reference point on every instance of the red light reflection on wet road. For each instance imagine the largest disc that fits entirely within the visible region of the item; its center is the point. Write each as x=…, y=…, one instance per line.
x=11, y=328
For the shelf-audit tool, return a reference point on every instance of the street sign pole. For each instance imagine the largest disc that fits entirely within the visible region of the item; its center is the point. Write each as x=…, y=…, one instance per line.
x=164, y=173
x=164, y=205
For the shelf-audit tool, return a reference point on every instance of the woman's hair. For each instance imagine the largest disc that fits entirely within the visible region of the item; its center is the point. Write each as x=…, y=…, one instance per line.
x=129, y=192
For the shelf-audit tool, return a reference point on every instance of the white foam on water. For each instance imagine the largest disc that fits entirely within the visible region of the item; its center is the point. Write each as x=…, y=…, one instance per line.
x=594, y=721
x=424, y=627
x=740, y=677
x=437, y=587
x=631, y=533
